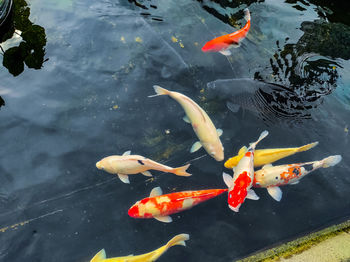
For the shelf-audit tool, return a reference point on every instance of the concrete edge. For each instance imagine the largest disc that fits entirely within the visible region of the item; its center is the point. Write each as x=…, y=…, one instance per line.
x=299, y=245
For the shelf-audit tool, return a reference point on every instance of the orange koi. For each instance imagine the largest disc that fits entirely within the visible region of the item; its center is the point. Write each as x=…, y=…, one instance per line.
x=223, y=43
x=160, y=206
x=239, y=186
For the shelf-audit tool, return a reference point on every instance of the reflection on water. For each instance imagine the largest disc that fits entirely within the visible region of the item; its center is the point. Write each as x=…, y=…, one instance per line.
x=219, y=9
x=336, y=13
x=31, y=48
x=271, y=102
x=147, y=6
x=309, y=67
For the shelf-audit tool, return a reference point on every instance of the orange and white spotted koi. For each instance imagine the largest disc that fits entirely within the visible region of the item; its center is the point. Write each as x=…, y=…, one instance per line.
x=160, y=206
x=271, y=177
x=127, y=164
x=239, y=186
x=223, y=43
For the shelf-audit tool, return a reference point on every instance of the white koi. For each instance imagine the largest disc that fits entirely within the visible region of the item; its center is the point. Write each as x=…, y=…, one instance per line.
x=271, y=177
x=127, y=164
x=202, y=125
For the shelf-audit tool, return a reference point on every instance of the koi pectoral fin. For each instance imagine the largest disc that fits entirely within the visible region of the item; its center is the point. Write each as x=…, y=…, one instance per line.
x=275, y=192
x=146, y=173
x=219, y=132
x=124, y=178
x=157, y=191
x=234, y=108
x=228, y=180
x=195, y=147
x=252, y=195
x=165, y=219
x=225, y=52
x=186, y=119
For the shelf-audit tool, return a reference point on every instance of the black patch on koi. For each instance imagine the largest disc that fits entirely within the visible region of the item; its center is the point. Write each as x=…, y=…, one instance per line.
x=276, y=177
x=296, y=171
x=140, y=161
x=309, y=167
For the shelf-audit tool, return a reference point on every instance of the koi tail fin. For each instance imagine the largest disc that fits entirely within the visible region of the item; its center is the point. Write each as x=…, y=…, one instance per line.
x=181, y=171
x=307, y=147
x=178, y=240
x=160, y=91
x=246, y=14
x=261, y=137
x=100, y=256
x=331, y=161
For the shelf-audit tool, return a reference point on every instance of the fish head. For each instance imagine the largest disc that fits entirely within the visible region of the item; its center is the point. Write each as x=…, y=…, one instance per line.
x=216, y=151
x=106, y=165
x=99, y=165
x=235, y=199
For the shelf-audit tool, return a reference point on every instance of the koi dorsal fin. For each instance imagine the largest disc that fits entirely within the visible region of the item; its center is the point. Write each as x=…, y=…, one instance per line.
x=127, y=153
x=157, y=191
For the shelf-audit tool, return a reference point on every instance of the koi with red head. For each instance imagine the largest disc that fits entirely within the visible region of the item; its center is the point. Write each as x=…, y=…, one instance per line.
x=223, y=43
x=160, y=206
x=239, y=186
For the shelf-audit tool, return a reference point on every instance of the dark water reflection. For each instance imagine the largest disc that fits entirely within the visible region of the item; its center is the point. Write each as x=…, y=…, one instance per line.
x=30, y=49
x=89, y=100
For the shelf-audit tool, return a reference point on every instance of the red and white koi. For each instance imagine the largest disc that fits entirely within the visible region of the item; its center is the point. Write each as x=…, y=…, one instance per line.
x=201, y=123
x=242, y=181
x=127, y=164
x=271, y=177
x=223, y=43
x=160, y=206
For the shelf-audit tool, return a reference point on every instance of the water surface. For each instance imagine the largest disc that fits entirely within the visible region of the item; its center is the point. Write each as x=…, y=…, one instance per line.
x=78, y=92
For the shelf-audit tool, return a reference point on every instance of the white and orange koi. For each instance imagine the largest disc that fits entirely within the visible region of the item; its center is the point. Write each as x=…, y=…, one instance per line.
x=127, y=164
x=271, y=177
x=223, y=43
x=160, y=206
x=202, y=125
x=242, y=181
x=148, y=257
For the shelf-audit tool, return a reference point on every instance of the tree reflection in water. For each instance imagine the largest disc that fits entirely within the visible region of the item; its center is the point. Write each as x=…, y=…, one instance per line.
x=31, y=48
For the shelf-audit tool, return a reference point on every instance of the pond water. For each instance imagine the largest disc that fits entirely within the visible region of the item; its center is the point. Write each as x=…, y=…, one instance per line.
x=74, y=89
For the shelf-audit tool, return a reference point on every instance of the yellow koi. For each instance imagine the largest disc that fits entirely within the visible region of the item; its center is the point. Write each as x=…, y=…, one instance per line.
x=148, y=257
x=267, y=156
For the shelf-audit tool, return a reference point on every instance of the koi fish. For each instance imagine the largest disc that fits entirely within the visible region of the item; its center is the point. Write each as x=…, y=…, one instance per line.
x=271, y=177
x=148, y=257
x=223, y=43
x=239, y=186
x=202, y=125
x=127, y=164
x=267, y=156
x=160, y=206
